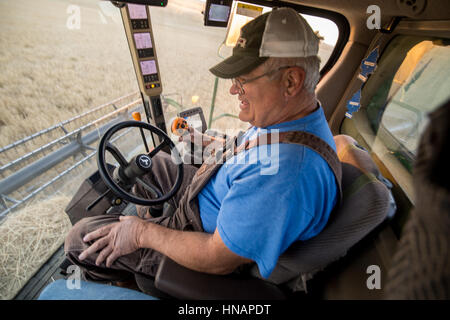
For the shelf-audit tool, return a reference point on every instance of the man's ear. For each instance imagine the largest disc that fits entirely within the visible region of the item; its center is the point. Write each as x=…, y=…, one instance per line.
x=293, y=79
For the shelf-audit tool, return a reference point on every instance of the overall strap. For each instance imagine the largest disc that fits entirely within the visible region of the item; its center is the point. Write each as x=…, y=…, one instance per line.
x=302, y=138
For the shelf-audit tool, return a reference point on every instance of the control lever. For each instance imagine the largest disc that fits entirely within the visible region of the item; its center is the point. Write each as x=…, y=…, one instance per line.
x=137, y=116
x=180, y=127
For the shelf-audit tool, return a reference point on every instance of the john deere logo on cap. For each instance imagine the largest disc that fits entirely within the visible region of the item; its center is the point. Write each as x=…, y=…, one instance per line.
x=241, y=42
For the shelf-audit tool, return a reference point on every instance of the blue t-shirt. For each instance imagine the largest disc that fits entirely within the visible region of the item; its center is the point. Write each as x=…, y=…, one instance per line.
x=265, y=198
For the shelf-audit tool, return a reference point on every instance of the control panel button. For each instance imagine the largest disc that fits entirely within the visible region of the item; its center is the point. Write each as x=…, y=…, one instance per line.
x=145, y=53
x=151, y=78
x=139, y=24
x=152, y=86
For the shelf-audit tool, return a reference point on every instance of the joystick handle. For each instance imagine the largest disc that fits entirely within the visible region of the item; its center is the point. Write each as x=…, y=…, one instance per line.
x=180, y=126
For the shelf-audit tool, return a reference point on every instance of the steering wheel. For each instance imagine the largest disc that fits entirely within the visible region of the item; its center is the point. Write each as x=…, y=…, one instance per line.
x=130, y=173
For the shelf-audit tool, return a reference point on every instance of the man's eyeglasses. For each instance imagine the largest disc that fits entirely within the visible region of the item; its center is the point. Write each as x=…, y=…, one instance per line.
x=240, y=83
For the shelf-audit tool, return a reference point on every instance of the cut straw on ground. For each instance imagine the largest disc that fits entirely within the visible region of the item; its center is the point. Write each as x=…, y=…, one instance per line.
x=28, y=238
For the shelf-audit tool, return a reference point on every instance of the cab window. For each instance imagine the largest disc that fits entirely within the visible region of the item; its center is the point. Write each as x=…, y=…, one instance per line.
x=410, y=81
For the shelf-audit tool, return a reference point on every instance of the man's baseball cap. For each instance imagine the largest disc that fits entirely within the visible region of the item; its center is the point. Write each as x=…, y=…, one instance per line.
x=281, y=33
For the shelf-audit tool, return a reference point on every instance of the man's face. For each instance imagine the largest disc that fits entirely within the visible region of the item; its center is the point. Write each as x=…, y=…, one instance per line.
x=262, y=102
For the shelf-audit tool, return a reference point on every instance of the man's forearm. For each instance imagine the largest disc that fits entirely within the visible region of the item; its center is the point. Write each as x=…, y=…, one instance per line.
x=201, y=139
x=210, y=139
x=194, y=250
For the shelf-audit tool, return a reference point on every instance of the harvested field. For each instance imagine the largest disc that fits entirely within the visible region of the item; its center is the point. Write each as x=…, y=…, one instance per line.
x=51, y=73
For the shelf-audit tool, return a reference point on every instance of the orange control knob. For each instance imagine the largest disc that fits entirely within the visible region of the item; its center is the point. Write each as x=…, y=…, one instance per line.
x=180, y=126
x=136, y=116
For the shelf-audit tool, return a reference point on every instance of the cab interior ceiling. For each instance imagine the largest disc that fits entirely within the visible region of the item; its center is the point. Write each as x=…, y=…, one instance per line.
x=355, y=11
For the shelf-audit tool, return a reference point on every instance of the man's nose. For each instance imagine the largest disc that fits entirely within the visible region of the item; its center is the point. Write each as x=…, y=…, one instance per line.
x=234, y=89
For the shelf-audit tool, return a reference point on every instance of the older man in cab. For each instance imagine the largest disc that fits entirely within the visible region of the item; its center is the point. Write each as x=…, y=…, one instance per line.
x=274, y=185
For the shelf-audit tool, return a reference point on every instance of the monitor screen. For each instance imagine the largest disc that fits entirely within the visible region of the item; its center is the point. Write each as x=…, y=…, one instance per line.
x=195, y=122
x=137, y=11
x=219, y=12
x=148, y=67
x=143, y=40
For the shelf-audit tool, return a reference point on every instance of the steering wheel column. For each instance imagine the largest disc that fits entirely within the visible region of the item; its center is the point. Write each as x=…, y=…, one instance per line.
x=129, y=173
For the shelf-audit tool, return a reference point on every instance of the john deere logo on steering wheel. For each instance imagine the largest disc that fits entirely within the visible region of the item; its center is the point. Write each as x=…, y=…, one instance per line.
x=145, y=161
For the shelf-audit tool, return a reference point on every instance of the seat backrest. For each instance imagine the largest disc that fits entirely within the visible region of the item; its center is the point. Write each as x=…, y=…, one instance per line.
x=366, y=203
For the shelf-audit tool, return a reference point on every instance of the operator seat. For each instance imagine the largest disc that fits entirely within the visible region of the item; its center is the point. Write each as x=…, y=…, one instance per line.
x=367, y=201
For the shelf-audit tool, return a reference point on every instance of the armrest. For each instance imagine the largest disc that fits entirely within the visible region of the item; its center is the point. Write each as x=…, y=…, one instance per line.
x=183, y=283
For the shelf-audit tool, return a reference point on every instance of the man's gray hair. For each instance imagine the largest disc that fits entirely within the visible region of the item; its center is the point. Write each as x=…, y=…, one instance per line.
x=309, y=64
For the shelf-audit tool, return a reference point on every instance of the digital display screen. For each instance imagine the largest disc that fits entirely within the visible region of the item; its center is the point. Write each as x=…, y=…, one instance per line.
x=137, y=11
x=219, y=12
x=143, y=40
x=148, y=67
x=195, y=122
